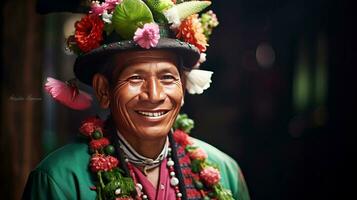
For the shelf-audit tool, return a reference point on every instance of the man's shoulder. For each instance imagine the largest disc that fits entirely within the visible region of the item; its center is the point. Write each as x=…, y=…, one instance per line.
x=231, y=174
x=71, y=157
x=63, y=174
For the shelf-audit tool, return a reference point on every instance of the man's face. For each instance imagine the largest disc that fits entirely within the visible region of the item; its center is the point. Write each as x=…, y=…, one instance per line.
x=146, y=94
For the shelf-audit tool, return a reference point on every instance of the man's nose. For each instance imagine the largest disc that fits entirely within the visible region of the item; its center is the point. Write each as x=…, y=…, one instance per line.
x=154, y=91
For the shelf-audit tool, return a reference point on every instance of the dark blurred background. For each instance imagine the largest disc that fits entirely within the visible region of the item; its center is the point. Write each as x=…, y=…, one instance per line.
x=282, y=102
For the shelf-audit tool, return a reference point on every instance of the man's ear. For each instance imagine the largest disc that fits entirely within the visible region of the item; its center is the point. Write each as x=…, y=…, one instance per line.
x=101, y=88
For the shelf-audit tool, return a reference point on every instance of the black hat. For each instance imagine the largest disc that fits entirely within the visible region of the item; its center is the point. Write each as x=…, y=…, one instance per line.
x=88, y=64
x=114, y=26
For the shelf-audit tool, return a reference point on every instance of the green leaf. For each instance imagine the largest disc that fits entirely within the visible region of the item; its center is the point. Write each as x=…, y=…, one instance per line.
x=127, y=185
x=109, y=189
x=195, y=166
x=188, y=8
x=183, y=123
x=223, y=194
x=159, y=5
x=129, y=15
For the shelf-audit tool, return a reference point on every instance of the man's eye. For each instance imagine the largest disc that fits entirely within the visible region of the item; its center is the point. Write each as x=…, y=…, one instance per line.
x=168, y=78
x=135, y=79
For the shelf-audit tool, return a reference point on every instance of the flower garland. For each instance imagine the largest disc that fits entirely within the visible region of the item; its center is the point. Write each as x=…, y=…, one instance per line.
x=208, y=179
x=113, y=183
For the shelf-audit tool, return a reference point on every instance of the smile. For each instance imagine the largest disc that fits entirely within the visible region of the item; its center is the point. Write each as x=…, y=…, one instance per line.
x=151, y=114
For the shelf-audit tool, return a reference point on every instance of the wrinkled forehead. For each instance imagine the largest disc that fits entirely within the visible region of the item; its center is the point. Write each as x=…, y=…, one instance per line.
x=129, y=58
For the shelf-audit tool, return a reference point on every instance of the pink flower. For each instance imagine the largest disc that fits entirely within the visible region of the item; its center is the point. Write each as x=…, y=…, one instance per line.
x=100, y=162
x=112, y=3
x=198, y=154
x=148, y=36
x=98, y=8
x=210, y=175
x=68, y=94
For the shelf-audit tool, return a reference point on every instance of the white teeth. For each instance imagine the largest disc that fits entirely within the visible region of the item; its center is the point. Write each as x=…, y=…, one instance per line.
x=151, y=114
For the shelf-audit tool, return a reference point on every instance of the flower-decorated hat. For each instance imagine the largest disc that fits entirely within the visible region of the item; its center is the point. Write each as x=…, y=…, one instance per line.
x=113, y=26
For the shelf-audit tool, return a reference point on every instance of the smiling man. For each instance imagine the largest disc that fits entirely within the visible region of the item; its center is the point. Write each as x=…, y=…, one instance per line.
x=139, y=57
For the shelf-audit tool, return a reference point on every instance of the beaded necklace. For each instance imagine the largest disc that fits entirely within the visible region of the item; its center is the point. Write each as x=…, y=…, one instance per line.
x=133, y=157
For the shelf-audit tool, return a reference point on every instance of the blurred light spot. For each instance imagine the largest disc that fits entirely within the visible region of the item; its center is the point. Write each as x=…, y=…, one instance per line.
x=265, y=55
x=302, y=83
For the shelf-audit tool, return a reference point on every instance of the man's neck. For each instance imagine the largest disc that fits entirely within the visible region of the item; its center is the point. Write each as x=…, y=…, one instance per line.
x=147, y=148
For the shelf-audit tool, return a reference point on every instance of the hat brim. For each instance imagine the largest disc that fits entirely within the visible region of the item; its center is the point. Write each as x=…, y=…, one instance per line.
x=88, y=64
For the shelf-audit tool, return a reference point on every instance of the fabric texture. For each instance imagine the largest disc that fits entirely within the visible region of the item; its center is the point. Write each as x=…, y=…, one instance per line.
x=64, y=174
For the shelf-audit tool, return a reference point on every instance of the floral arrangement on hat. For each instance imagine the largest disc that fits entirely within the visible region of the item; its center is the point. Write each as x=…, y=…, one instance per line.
x=145, y=22
x=142, y=21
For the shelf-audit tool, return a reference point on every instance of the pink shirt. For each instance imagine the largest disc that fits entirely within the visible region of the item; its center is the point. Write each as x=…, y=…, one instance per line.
x=163, y=191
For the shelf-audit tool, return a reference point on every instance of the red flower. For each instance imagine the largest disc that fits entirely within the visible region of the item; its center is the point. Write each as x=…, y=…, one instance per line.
x=98, y=144
x=191, y=31
x=91, y=124
x=100, y=162
x=198, y=154
x=181, y=137
x=210, y=175
x=89, y=32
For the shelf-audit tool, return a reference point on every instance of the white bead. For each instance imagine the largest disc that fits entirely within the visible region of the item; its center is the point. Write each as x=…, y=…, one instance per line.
x=174, y=181
x=139, y=186
x=179, y=194
x=126, y=160
x=169, y=149
x=118, y=191
x=145, y=197
x=172, y=173
x=170, y=163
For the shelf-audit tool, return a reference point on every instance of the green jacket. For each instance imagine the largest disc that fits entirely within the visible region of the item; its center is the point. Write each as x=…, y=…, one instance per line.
x=64, y=174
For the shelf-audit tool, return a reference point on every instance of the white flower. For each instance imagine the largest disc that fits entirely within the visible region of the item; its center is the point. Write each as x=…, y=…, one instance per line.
x=173, y=17
x=201, y=60
x=198, y=80
x=107, y=17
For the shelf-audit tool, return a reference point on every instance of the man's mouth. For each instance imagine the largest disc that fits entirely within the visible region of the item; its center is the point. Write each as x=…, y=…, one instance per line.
x=152, y=113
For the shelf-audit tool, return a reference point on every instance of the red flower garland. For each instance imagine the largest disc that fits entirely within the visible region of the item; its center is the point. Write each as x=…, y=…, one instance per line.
x=88, y=34
x=198, y=154
x=182, y=137
x=98, y=144
x=90, y=125
x=210, y=175
x=100, y=162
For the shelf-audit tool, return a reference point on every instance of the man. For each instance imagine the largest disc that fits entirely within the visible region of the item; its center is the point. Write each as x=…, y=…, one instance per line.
x=142, y=151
